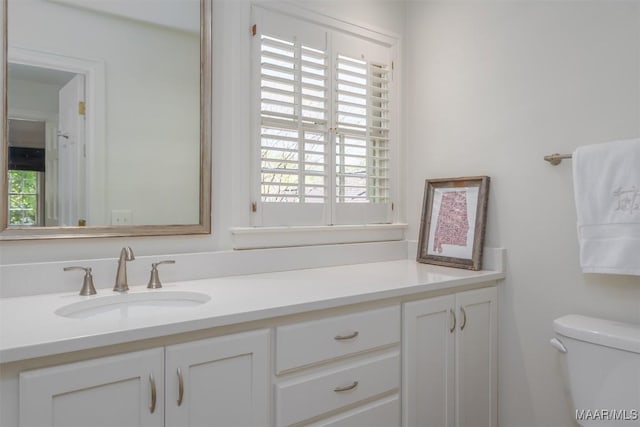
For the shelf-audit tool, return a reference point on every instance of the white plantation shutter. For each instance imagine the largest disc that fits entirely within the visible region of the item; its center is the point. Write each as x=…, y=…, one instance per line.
x=362, y=121
x=293, y=122
x=324, y=126
x=362, y=142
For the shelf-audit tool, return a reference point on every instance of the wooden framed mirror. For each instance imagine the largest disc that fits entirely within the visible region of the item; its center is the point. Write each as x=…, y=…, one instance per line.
x=106, y=118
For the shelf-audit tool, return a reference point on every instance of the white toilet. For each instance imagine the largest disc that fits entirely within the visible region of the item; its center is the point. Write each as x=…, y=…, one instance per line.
x=603, y=365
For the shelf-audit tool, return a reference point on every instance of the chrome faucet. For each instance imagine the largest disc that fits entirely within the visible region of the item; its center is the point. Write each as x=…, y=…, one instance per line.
x=126, y=254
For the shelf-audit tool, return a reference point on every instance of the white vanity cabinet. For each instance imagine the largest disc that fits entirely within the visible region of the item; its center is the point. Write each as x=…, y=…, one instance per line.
x=126, y=390
x=450, y=360
x=221, y=381
x=339, y=371
x=408, y=360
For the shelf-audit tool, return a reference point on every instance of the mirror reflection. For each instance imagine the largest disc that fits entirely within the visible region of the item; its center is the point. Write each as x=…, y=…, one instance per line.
x=103, y=112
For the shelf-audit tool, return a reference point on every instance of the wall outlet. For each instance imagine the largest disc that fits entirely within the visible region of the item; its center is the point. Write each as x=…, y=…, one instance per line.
x=122, y=217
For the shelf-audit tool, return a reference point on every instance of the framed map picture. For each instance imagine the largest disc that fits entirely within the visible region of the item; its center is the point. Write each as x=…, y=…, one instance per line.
x=454, y=214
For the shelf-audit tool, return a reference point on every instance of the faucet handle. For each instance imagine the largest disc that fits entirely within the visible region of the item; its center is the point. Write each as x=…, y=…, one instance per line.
x=87, y=284
x=154, y=280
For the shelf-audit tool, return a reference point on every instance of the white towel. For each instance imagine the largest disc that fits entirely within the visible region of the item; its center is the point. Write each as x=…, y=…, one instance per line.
x=606, y=179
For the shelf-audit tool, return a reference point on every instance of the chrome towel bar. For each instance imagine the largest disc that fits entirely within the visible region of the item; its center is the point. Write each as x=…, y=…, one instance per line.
x=556, y=159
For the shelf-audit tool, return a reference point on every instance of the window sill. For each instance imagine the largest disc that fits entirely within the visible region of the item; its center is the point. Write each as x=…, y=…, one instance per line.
x=277, y=237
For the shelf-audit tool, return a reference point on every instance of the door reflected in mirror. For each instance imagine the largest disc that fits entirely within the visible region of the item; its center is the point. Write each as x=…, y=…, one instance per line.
x=47, y=161
x=103, y=110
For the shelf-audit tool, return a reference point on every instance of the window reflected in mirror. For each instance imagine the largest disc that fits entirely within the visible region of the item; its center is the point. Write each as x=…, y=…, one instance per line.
x=26, y=172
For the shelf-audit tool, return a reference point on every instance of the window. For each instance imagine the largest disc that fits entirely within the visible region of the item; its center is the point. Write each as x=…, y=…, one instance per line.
x=323, y=129
x=24, y=198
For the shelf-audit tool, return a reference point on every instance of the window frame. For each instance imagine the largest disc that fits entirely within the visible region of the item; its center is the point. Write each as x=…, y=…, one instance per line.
x=362, y=214
x=250, y=231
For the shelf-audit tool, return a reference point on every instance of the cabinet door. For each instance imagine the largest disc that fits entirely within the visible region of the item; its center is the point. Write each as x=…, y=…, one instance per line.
x=105, y=392
x=476, y=361
x=428, y=355
x=221, y=381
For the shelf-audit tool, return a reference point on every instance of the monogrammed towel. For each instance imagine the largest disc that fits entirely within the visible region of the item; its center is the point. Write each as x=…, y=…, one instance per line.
x=606, y=179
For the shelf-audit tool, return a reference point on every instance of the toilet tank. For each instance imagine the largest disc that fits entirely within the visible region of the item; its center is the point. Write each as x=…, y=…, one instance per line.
x=603, y=365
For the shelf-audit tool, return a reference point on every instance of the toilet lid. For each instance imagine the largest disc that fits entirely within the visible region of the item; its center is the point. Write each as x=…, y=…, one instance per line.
x=623, y=336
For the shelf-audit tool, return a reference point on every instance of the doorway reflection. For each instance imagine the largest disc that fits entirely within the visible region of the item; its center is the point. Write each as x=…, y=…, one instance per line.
x=46, y=147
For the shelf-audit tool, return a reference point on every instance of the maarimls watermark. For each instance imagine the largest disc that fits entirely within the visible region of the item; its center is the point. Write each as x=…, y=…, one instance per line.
x=607, y=414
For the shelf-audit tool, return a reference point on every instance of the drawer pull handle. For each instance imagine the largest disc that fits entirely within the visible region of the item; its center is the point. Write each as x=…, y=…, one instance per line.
x=346, y=337
x=152, y=382
x=180, y=387
x=346, y=387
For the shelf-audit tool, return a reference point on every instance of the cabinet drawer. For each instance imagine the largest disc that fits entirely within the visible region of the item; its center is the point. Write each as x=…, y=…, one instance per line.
x=306, y=397
x=381, y=413
x=310, y=342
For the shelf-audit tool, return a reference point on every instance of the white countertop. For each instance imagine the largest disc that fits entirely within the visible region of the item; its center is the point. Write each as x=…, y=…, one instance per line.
x=29, y=327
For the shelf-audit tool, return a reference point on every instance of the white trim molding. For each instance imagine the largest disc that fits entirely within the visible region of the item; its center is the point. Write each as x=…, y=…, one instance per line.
x=275, y=237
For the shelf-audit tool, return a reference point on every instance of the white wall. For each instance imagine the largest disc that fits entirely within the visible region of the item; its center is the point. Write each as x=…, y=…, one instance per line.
x=152, y=104
x=27, y=96
x=492, y=87
x=231, y=158
x=384, y=15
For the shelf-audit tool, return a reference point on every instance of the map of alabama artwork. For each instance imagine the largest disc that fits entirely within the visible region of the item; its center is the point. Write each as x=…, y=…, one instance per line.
x=452, y=225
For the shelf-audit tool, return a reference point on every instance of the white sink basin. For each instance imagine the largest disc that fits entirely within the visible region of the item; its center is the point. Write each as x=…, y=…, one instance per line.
x=130, y=305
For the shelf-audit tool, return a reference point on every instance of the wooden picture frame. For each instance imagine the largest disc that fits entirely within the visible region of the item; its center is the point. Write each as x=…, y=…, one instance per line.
x=453, y=223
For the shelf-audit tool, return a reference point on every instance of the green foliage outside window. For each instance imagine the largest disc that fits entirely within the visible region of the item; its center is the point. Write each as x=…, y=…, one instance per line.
x=23, y=197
